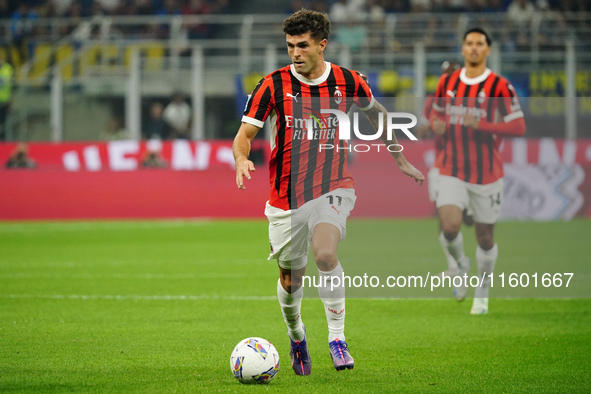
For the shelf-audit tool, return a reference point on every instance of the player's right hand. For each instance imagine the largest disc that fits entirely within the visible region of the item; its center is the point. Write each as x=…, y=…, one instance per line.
x=410, y=170
x=438, y=126
x=243, y=169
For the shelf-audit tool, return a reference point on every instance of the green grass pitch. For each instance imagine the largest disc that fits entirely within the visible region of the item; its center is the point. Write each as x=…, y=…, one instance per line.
x=157, y=306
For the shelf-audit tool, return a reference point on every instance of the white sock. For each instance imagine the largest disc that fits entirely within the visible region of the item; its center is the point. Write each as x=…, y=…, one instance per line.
x=333, y=298
x=291, y=306
x=486, y=260
x=455, y=248
x=452, y=264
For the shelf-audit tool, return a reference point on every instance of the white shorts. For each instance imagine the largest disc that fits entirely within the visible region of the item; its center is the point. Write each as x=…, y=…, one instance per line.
x=290, y=232
x=482, y=201
x=432, y=183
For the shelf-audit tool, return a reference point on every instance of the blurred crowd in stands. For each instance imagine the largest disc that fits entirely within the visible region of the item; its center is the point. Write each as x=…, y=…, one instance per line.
x=518, y=26
x=337, y=9
x=32, y=9
x=20, y=17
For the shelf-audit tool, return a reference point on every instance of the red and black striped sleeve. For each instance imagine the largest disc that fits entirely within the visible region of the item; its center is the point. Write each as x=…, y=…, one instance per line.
x=260, y=103
x=364, y=97
x=508, y=102
x=438, y=100
x=510, y=109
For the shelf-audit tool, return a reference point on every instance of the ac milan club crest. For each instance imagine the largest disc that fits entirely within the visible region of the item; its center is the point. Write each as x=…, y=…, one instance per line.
x=338, y=96
x=481, y=96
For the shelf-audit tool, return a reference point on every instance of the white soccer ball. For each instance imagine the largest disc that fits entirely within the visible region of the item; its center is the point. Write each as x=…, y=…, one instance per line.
x=254, y=360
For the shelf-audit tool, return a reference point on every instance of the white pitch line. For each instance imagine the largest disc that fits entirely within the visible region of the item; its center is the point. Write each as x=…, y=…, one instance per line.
x=39, y=227
x=137, y=297
x=205, y=297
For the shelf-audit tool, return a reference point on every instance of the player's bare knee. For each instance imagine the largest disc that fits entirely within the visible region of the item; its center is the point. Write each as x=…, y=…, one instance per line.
x=486, y=243
x=484, y=236
x=451, y=228
x=326, y=259
x=450, y=232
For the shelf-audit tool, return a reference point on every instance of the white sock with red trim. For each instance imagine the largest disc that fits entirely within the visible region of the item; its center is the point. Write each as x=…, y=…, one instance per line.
x=486, y=260
x=455, y=248
x=291, y=306
x=332, y=294
x=452, y=264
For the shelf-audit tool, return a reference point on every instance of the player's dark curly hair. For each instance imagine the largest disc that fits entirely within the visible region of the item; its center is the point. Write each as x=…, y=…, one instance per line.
x=481, y=31
x=304, y=21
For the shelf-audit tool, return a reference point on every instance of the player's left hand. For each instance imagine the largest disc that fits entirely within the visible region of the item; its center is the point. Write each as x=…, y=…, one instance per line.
x=471, y=121
x=243, y=169
x=410, y=170
x=424, y=131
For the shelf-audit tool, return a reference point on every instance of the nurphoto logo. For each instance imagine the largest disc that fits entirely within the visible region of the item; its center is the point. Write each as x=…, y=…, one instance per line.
x=324, y=125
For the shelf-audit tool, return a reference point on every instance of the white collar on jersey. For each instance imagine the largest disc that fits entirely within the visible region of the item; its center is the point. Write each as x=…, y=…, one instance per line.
x=474, y=81
x=313, y=82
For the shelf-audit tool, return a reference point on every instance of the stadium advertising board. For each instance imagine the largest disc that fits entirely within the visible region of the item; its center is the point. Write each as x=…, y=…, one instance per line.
x=545, y=179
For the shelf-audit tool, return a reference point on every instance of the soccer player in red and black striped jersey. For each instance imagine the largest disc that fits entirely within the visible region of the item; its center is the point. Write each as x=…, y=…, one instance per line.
x=424, y=131
x=311, y=189
x=473, y=109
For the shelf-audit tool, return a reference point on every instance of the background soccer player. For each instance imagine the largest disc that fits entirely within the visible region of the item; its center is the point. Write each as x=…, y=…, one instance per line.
x=299, y=202
x=473, y=109
x=424, y=131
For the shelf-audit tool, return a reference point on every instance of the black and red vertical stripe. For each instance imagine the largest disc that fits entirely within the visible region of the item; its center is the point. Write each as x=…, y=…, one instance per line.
x=299, y=170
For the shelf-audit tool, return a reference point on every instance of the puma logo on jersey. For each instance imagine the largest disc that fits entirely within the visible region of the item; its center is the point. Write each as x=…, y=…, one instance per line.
x=295, y=98
x=451, y=93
